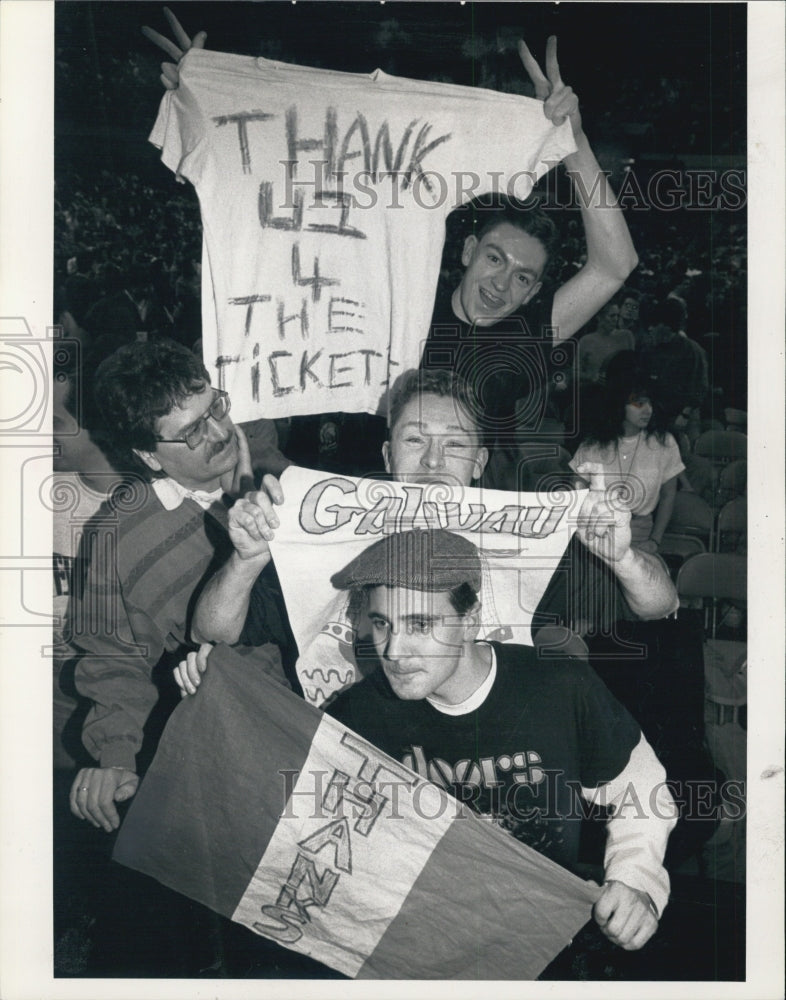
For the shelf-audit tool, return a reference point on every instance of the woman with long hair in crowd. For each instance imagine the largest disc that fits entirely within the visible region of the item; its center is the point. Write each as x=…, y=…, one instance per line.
x=626, y=434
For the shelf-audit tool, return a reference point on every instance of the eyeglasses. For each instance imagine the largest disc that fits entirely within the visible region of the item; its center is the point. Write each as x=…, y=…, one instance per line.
x=197, y=432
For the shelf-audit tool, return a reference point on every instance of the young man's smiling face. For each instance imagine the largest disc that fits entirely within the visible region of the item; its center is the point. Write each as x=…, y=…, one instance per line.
x=423, y=643
x=200, y=468
x=434, y=439
x=503, y=272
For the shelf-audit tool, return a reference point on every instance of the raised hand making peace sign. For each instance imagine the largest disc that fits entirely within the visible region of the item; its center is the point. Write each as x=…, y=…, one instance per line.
x=559, y=101
x=170, y=74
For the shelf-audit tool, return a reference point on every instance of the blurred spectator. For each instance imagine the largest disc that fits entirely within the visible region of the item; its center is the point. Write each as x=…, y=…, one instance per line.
x=598, y=348
x=676, y=364
x=630, y=304
x=131, y=311
x=83, y=476
x=699, y=475
x=640, y=458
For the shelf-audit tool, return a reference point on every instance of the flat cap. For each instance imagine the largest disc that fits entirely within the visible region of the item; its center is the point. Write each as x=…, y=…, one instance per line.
x=431, y=559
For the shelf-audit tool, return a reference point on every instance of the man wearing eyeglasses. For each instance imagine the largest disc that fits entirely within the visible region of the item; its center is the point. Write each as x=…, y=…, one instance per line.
x=210, y=434
x=149, y=552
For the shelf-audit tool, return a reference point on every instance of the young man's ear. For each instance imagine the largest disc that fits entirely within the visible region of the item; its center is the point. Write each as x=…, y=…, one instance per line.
x=386, y=455
x=470, y=243
x=149, y=459
x=472, y=620
x=481, y=460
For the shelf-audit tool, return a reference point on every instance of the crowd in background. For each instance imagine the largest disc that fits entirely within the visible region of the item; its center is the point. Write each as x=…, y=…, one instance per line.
x=128, y=248
x=120, y=238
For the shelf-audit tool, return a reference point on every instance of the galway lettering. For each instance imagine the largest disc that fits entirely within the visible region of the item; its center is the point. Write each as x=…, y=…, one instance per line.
x=333, y=503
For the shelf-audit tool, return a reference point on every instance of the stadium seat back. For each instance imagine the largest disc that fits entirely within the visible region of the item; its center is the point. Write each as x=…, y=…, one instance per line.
x=722, y=447
x=732, y=530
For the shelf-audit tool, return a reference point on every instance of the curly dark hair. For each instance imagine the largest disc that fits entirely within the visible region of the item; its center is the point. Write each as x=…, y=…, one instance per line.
x=137, y=385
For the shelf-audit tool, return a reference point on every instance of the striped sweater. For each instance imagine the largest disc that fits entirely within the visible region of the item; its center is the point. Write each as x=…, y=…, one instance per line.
x=146, y=566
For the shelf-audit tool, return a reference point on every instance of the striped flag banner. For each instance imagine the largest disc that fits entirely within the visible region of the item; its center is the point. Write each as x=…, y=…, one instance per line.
x=272, y=814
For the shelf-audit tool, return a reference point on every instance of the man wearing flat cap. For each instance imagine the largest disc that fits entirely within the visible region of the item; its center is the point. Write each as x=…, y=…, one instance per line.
x=517, y=742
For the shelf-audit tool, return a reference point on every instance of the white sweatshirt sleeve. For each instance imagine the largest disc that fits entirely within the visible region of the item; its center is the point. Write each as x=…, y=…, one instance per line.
x=643, y=815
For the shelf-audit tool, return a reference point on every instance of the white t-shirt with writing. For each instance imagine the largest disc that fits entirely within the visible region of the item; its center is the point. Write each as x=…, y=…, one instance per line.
x=323, y=199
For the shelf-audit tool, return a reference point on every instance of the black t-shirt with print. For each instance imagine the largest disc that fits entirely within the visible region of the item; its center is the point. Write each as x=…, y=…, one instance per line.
x=544, y=731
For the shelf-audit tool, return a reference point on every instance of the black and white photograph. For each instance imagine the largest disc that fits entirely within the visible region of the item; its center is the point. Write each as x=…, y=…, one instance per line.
x=383, y=376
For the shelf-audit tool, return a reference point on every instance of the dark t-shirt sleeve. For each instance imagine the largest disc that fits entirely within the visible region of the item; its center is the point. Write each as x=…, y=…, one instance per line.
x=608, y=733
x=267, y=619
x=581, y=589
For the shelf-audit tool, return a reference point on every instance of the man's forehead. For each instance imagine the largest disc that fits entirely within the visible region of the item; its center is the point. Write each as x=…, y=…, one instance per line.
x=512, y=238
x=189, y=409
x=402, y=601
x=434, y=410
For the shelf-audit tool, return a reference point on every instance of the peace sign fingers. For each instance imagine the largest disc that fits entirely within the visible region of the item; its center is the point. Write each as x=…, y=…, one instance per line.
x=163, y=43
x=559, y=101
x=181, y=36
x=170, y=76
x=552, y=66
x=183, y=42
x=530, y=63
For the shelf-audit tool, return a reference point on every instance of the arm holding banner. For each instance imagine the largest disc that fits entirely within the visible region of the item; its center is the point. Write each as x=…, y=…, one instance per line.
x=223, y=604
x=610, y=252
x=636, y=887
x=625, y=915
x=604, y=528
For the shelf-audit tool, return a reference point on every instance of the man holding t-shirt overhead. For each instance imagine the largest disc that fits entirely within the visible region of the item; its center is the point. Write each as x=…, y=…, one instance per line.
x=497, y=328
x=482, y=327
